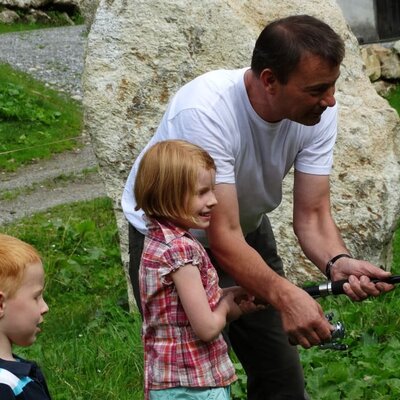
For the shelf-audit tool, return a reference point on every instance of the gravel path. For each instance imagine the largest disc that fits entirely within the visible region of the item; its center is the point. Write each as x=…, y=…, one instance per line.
x=55, y=57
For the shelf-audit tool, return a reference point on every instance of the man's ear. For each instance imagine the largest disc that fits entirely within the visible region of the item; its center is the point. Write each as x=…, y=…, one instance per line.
x=269, y=80
x=2, y=303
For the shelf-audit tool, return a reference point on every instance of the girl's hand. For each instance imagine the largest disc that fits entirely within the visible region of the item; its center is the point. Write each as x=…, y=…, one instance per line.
x=240, y=302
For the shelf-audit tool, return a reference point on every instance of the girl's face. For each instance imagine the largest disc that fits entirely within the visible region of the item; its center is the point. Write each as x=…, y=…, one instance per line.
x=202, y=202
x=24, y=311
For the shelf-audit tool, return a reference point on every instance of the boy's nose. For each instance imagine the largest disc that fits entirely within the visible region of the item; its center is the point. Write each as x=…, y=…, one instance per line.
x=45, y=307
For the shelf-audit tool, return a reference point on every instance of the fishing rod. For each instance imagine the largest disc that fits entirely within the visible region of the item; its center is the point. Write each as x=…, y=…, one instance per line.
x=336, y=287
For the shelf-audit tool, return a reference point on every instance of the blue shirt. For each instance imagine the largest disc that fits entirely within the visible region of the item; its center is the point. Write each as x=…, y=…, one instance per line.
x=22, y=380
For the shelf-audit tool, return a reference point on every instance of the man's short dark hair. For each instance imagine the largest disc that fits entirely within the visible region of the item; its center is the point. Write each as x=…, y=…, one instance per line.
x=283, y=42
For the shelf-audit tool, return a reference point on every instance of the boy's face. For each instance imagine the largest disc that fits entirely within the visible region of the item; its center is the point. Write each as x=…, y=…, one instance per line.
x=23, y=312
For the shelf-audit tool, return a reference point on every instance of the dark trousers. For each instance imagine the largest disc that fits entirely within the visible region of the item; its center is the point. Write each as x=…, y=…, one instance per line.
x=272, y=365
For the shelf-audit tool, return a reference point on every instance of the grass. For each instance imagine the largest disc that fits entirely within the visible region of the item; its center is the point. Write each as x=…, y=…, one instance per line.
x=90, y=347
x=35, y=121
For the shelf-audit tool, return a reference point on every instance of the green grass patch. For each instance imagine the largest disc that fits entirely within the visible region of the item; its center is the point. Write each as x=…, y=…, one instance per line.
x=35, y=121
x=394, y=98
x=21, y=27
x=90, y=347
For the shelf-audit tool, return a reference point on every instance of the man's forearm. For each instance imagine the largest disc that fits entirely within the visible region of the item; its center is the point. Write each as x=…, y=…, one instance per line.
x=321, y=242
x=250, y=271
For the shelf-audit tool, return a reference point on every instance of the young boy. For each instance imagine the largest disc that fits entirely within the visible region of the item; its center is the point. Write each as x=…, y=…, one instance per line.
x=22, y=308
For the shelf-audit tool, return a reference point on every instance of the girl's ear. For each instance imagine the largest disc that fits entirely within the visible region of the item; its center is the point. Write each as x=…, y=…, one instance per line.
x=2, y=303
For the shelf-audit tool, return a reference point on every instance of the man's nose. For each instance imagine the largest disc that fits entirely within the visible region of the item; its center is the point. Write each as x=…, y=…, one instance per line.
x=328, y=100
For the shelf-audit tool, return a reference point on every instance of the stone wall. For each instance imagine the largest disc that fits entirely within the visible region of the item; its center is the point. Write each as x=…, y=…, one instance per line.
x=138, y=55
x=382, y=65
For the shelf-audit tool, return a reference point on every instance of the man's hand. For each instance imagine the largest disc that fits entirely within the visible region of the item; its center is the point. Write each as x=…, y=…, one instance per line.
x=359, y=274
x=303, y=319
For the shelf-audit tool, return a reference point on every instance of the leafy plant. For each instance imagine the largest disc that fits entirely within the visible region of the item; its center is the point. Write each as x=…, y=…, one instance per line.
x=369, y=368
x=15, y=104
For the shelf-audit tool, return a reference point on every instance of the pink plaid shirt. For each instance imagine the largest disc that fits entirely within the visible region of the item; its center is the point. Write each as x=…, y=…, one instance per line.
x=174, y=355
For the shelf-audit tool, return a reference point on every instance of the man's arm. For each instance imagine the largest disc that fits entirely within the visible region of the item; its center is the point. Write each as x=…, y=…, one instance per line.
x=320, y=238
x=302, y=317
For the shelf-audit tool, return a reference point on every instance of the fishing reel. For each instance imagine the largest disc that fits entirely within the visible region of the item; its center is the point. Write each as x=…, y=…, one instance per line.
x=336, y=336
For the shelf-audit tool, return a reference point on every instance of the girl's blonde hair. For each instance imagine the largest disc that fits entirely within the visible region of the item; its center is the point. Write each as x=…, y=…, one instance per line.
x=167, y=178
x=15, y=255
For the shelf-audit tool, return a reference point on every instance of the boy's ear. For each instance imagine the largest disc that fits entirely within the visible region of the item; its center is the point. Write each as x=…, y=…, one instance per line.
x=2, y=303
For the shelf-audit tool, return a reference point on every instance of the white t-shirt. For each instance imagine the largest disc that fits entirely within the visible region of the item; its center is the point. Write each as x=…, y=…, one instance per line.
x=214, y=112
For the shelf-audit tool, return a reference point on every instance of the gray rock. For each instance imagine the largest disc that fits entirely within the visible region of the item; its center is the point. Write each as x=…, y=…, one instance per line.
x=8, y=17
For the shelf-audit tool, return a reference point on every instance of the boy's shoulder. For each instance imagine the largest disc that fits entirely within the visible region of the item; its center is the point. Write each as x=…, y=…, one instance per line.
x=22, y=378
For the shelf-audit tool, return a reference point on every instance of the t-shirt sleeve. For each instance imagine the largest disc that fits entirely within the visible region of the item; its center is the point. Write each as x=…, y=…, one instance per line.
x=6, y=392
x=203, y=129
x=177, y=256
x=316, y=157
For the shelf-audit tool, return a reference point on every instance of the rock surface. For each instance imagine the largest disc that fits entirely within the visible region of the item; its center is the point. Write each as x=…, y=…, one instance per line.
x=139, y=53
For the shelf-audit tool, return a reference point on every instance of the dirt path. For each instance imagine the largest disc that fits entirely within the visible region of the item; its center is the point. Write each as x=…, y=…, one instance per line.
x=67, y=177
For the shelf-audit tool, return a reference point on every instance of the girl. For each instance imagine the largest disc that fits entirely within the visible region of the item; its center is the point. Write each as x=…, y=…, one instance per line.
x=184, y=309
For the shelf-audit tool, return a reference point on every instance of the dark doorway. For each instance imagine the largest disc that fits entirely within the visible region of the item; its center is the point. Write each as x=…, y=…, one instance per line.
x=388, y=19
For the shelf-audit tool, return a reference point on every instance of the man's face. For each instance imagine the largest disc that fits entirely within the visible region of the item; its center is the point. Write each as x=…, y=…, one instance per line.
x=309, y=91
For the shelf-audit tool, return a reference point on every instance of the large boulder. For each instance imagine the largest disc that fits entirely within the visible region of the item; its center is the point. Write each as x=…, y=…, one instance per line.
x=139, y=54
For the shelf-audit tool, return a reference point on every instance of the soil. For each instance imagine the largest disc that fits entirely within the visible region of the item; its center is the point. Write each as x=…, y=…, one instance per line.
x=67, y=177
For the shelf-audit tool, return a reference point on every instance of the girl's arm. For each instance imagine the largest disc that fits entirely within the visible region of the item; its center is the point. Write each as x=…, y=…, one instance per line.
x=207, y=324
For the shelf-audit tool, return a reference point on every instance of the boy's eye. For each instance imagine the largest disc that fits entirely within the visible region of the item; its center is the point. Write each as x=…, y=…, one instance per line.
x=39, y=296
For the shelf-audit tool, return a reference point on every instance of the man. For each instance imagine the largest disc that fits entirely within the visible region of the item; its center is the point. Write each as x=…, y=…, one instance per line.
x=257, y=123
